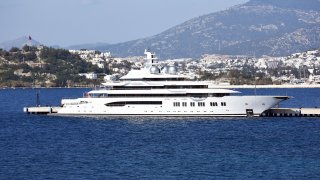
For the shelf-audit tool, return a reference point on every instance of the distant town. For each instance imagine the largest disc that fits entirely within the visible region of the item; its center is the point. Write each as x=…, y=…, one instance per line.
x=299, y=68
x=49, y=67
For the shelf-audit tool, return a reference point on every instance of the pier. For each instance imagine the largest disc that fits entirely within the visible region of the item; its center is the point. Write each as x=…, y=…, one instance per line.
x=292, y=112
x=41, y=110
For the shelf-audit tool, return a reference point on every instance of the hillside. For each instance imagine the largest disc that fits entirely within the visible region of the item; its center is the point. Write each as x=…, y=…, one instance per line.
x=43, y=66
x=19, y=43
x=259, y=27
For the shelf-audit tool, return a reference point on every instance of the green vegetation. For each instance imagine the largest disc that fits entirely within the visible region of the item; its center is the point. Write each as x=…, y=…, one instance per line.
x=43, y=66
x=248, y=75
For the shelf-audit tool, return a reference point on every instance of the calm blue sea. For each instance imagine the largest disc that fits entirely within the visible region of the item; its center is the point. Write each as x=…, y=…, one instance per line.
x=46, y=147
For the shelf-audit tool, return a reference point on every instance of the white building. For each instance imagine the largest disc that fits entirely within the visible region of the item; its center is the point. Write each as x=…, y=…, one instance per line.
x=89, y=75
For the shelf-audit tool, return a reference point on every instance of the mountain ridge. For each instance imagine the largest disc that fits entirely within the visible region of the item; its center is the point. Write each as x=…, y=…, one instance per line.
x=253, y=28
x=294, y=4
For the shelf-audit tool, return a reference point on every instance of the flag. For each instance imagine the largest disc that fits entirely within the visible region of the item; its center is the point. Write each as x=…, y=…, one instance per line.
x=30, y=38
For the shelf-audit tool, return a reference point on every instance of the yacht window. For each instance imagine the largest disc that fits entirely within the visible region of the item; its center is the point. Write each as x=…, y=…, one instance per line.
x=223, y=104
x=176, y=104
x=155, y=95
x=96, y=95
x=198, y=95
x=201, y=104
x=213, y=104
x=192, y=104
x=123, y=103
x=184, y=104
x=162, y=87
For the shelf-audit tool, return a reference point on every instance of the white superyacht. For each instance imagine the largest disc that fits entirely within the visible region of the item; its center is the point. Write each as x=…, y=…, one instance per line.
x=161, y=91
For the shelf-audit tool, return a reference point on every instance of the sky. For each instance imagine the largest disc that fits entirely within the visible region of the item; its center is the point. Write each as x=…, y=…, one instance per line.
x=72, y=22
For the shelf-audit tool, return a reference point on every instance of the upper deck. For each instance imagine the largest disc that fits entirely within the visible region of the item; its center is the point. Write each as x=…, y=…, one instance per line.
x=156, y=77
x=153, y=71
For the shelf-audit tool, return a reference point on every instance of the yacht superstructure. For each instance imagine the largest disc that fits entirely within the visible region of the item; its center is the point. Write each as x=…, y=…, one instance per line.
x=162, y=91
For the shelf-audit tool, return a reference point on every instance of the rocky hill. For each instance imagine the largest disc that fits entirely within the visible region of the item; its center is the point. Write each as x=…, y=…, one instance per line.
x=258, y=27
x=19, y=43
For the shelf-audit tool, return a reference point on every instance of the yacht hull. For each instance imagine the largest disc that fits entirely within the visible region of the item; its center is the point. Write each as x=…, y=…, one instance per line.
x=228, y=106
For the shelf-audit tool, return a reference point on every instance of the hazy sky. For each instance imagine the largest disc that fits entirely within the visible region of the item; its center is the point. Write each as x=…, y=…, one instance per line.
x=69, y=22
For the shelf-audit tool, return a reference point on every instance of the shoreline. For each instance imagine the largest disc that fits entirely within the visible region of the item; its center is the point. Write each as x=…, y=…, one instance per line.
x=2, y=88
x=286, y=86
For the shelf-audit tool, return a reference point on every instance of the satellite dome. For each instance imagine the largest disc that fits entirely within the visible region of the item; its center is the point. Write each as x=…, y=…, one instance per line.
x=165, y=69
x=172, y=70
x=154, y=70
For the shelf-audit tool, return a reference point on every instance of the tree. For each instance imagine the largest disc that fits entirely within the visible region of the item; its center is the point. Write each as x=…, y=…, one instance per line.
x=31, y=56
x=26, y=48
x=14, y=49
x=8, y=75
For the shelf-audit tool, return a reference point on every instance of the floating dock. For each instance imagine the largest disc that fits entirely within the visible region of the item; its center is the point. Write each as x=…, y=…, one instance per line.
x=274, y=112
x=41, y=110
x=292, y=112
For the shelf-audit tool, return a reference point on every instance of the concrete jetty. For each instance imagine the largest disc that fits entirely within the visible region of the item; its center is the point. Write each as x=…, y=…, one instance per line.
x=41, y=110
x=292, y=112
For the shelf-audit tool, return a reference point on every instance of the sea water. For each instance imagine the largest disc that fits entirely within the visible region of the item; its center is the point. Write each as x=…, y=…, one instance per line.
x=50, y=147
